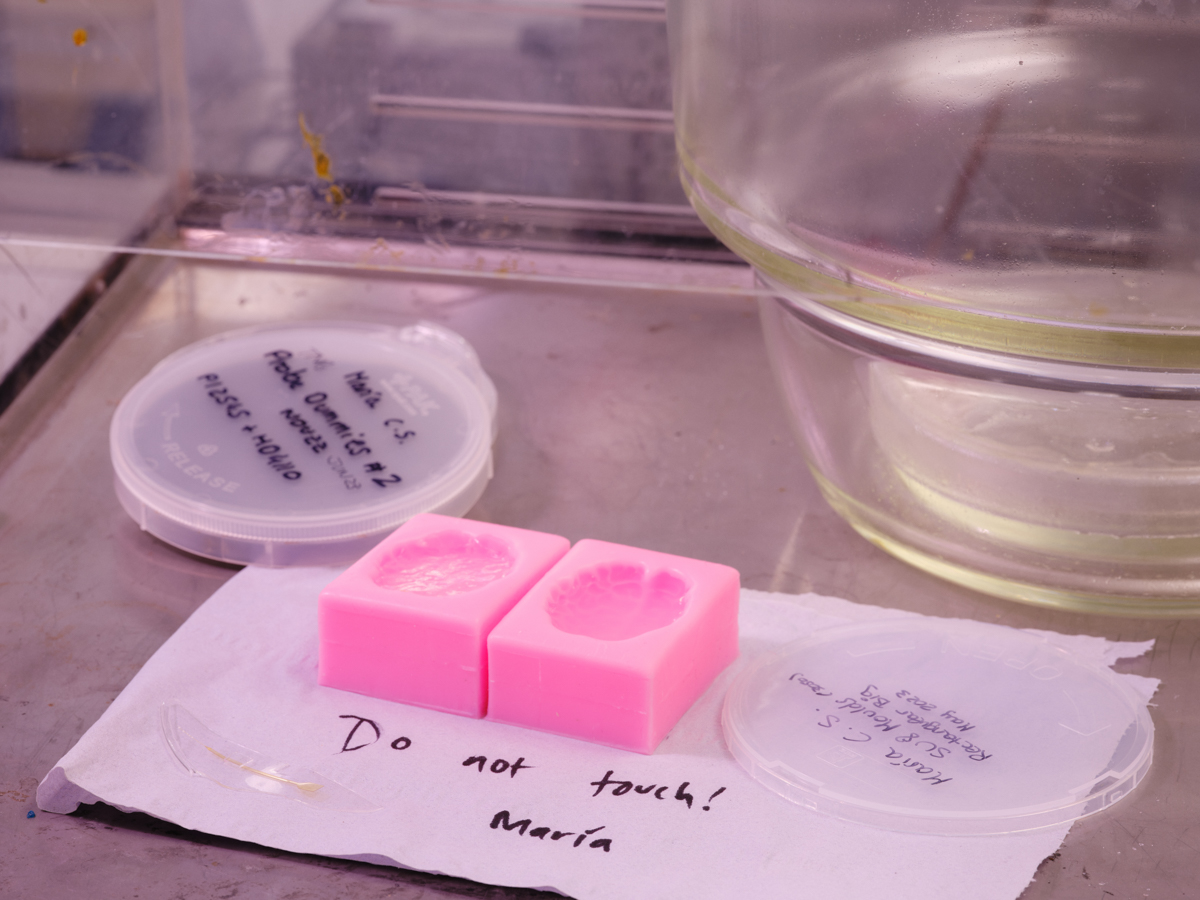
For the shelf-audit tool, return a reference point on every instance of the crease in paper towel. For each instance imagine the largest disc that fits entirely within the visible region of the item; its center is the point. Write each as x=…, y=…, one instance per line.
x=244, y=665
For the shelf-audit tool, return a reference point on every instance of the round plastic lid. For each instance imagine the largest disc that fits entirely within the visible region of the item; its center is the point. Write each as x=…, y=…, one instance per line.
x=938, y=727
x=303, y=444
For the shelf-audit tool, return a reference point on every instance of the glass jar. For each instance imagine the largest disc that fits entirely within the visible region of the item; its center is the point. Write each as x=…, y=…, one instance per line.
x=981, y=223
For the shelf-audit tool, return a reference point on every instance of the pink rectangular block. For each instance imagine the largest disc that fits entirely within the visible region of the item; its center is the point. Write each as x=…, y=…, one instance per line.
x=410, y=620
x=613, y=645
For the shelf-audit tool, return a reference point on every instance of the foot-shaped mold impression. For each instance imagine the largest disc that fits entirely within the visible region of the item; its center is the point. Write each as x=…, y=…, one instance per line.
x=443, y=564
x=617, y=601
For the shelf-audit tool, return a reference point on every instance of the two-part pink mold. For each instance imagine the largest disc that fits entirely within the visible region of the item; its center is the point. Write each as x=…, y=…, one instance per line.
x=601, y=641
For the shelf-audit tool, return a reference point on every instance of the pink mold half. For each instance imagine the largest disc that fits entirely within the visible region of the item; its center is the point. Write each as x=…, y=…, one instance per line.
x=613, y=645
x=444, y=564
x=616, y=602
x=410, y=620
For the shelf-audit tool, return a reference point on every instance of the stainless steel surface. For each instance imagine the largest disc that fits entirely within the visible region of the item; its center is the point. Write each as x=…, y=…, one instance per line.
x=513, y=112
x=640, y=416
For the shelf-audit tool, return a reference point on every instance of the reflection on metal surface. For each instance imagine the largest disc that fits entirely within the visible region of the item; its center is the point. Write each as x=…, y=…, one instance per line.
x=1118, y=148
x=563, y=212
x=1112, y=20
x=572, y=204
x=722, y=275
x=629, y=10
x=206, y=754
x=515, y=113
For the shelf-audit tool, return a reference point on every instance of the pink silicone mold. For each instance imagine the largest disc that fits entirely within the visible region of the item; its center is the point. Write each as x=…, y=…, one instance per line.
x=613, y=645
x=616, y=601
x=410, y=620
x=444, y=564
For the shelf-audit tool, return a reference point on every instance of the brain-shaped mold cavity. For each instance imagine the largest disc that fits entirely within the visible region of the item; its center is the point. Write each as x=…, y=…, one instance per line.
x=617, y=601
x=444, y=564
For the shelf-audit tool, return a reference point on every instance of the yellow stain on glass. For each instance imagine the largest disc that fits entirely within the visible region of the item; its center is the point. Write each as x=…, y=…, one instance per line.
x=80, y=37
x=321, y=163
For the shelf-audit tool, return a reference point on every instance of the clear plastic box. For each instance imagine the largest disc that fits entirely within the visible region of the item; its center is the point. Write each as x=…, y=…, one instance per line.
x=476, y=138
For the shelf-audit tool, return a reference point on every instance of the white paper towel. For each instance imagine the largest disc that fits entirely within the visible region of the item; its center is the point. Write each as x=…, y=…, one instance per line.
x=495, y=803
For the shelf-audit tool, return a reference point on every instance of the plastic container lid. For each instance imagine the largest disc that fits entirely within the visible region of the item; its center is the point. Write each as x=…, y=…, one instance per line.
x=938, y=727
x=304, y=444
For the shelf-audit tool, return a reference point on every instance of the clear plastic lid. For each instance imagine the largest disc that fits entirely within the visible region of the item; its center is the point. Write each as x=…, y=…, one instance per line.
x=304, y=444
x=938, y=727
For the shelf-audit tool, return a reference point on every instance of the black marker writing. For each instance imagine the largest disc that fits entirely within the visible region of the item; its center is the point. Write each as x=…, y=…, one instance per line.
x=272, y=453
x=857, y=707
x=871, y=694
x=359, y=722
x=938, y=728
x=360, y=737
x=681, y=795
x=399, y=433
x=935, y=751
x=312, y=438
x=817, y=689
x=221, y=396
x=961, y=724
x=278, y=360
x=353, y=443
x=360, y=383
x=909, y=697
x=498, y=766
x=659, y=792
x=381, y=480
x=894, y=758
x=503, y=819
